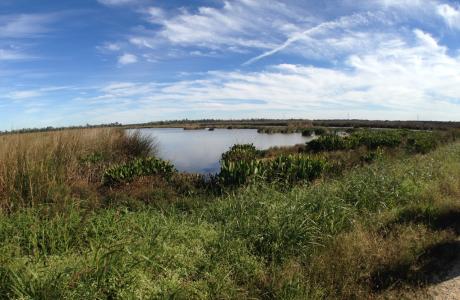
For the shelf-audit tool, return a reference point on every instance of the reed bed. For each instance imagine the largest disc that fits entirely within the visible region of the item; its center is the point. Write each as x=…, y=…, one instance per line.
x=362, y=235
x=37, y=168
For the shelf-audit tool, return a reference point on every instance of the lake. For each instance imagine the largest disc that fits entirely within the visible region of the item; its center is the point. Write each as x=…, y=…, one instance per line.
x=199, y=151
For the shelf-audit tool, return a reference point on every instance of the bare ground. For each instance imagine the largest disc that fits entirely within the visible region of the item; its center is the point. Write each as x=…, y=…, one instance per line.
x=447, y=286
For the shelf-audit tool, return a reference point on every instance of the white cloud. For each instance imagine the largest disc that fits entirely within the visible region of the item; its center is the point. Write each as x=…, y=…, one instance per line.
x=18, y=95
x=34, y=93
x=156, y=15
x=127, y=59
x=112, y=47
x=404, y=3
x=426, y=39
x=142, y=42
x=8, y=54
x=232, y=25
x=343, y=22
x=117, y=2
x=450, y=14
x=265, y=28
x=250, y=26
x=367, y=58
x=395, y=80
x=25, y=25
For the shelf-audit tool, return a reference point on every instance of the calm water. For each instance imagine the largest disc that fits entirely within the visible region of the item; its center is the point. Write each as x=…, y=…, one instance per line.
x=199, y=151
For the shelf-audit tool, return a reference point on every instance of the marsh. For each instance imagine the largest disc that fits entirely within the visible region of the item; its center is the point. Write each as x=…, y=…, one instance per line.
x=199, y=151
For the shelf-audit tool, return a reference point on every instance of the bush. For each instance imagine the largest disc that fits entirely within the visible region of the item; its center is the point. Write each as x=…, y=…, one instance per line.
x=421, y=142
x=136, y=144
x=327, y=143
x=320, y=131
x=371, y=156
x=139, y=167
x=373, y=139
x=244, y=152
x=308, y=132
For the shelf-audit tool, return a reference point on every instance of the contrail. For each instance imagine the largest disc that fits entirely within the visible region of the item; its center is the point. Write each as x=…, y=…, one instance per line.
x=341, y=22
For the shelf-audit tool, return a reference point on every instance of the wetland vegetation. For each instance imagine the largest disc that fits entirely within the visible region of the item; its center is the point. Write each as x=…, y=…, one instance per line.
x=96, y=214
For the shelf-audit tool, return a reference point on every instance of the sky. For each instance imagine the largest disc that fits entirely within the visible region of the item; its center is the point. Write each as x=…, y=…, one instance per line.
x=77, y=62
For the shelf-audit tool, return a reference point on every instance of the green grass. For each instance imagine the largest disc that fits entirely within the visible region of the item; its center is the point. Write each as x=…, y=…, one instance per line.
x=340, y=237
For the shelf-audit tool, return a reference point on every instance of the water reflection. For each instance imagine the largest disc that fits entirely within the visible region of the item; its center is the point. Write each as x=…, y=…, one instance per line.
x=199, y=151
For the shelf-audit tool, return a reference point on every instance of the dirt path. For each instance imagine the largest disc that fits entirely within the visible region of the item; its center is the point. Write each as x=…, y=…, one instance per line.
x=448, y=287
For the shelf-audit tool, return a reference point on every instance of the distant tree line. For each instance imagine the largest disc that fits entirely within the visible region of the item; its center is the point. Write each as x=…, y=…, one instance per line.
x=51, y=128
x=261, y=122
x=254, y=122
x=420, y=125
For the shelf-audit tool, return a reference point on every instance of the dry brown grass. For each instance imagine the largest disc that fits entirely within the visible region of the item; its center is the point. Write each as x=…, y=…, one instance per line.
x=43, y=167
x=366, y=264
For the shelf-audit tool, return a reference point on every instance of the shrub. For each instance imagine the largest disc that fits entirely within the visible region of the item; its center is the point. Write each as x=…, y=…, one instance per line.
x=421, y=142
x=327, y=143
x=373, y=139
x=244, y=152
x=136, y=144
x=320, y=131
x=371, y=156
x=308, y=132
x=139, y=167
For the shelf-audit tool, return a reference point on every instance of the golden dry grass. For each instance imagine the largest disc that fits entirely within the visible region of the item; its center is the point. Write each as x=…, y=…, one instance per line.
x=40, y=167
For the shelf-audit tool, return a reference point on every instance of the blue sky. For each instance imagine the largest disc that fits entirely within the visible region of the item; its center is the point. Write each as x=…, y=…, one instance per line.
x=70, y=62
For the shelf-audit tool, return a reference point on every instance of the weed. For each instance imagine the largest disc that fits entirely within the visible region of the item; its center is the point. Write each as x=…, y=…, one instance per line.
x=137, y=168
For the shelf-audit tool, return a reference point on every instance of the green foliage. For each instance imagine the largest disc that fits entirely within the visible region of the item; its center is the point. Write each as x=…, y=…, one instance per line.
x=373, y=139
x=285, y=169
x=421, y=142
x=371, y=156
x=256, y=242
x=92, y=158
x=308, y=132
x=279, y=129
x=327, y=143
x=241, y=152
x=320, y=131
x=139, y=167
x=293, y=168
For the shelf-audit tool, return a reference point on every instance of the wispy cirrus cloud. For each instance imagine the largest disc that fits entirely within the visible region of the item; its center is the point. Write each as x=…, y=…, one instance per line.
x=34, y=93
x=281, y=27
x=397, y=80
x=344, y=22
x=390, y=59
x=18, y=95
x=118, y=2
x=25, y=25
x=16, y=30
x=12, y=55
x=229, y=28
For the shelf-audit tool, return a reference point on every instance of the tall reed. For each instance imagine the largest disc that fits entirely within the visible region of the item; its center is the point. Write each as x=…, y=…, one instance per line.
x=42, y=167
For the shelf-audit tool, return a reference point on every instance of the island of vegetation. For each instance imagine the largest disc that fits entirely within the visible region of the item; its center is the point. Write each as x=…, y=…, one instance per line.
x=94, y=213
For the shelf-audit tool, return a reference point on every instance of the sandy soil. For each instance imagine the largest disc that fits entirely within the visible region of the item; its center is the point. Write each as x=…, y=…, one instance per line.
x=448, y=287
